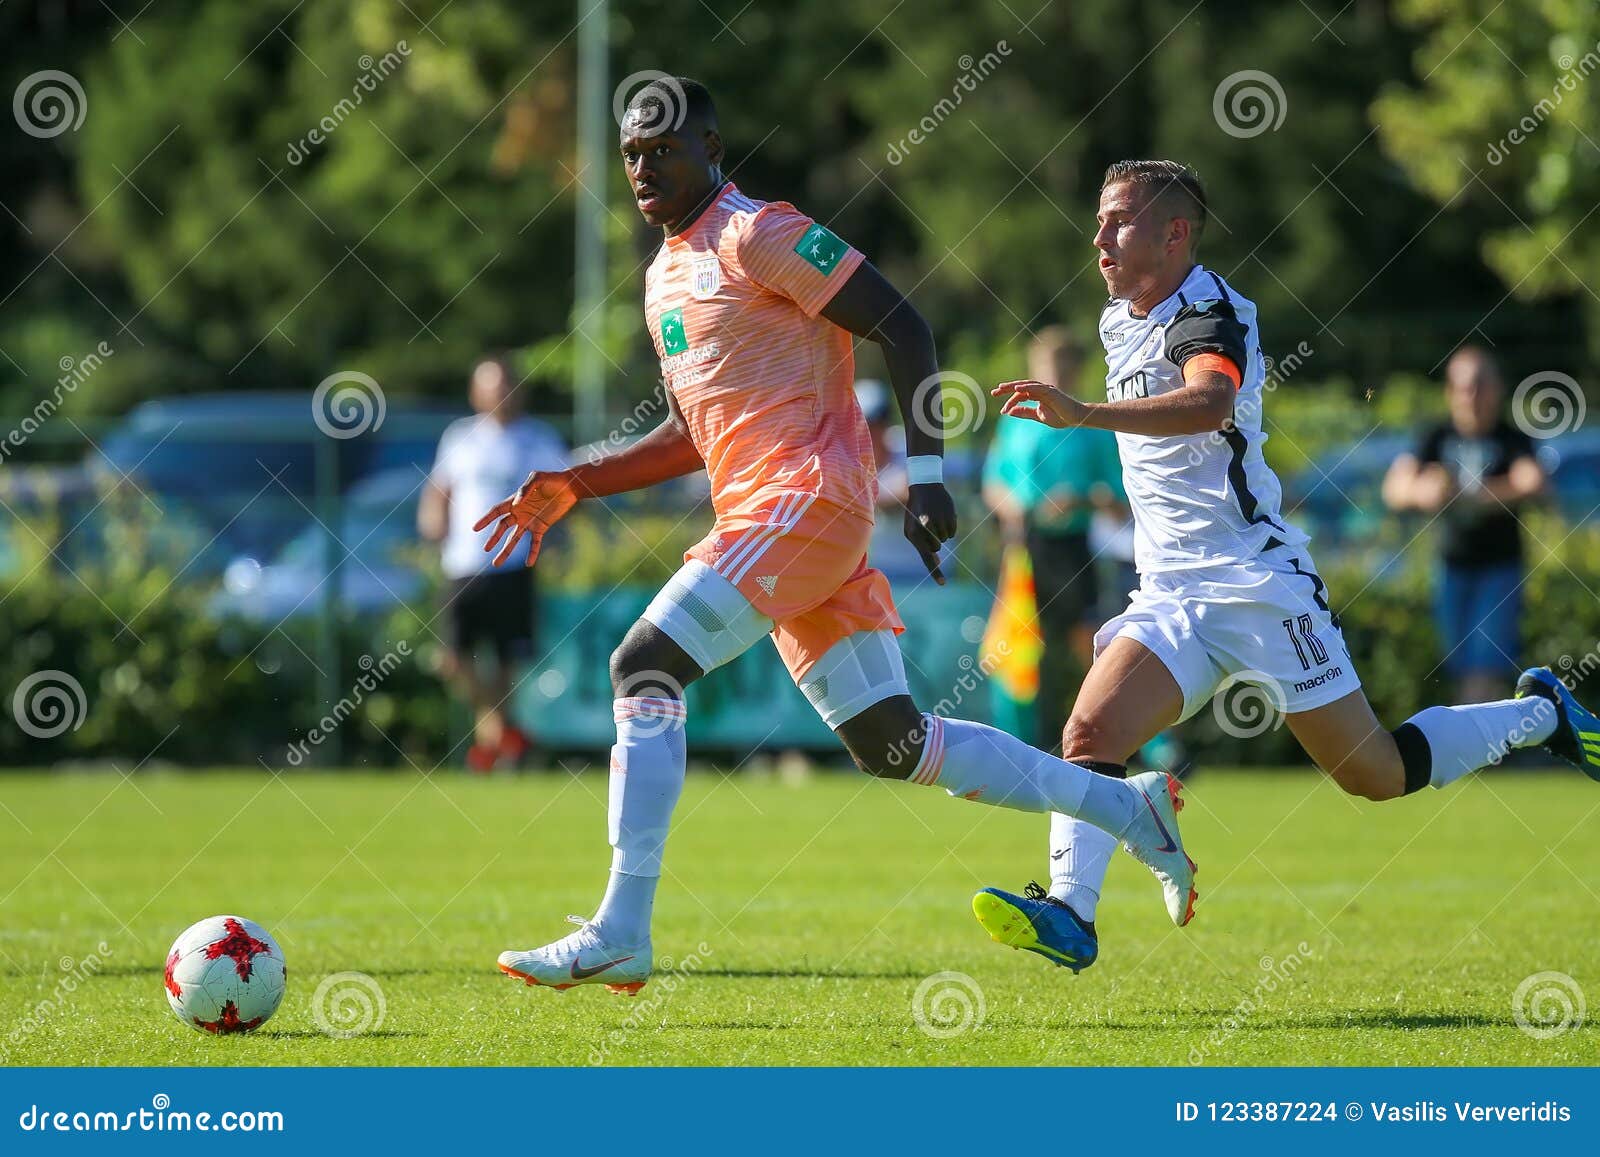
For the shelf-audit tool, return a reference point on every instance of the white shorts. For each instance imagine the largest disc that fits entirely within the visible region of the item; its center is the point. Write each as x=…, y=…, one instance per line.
x=1265, y=622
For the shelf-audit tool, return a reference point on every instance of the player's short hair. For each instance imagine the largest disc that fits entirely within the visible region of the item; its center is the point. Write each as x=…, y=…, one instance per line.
x=1173, y=181
x=670, y=103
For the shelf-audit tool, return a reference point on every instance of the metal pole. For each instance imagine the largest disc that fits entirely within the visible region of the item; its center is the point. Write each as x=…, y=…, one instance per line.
x=594, y=127
x=327, y=648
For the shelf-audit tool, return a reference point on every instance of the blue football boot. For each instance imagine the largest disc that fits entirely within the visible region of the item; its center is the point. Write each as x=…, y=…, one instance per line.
x=1576, y=738
x=1037, y=922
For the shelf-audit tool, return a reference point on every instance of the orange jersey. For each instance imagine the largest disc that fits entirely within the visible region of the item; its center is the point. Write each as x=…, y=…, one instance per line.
x=765, y=384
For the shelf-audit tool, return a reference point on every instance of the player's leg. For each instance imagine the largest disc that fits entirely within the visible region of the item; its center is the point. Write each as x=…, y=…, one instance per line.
x=858, y=686
x=1439, y=745
x=1127, y=699
x=698, y=622
x=1127, y=696
x=1287, y=633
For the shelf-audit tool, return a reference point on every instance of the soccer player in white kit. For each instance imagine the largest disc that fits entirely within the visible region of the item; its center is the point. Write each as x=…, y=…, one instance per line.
x=1227, y=588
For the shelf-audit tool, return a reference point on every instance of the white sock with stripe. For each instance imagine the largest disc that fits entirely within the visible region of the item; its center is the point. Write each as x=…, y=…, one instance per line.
x=647, y=767
x=1463, y=739
x=982, y=763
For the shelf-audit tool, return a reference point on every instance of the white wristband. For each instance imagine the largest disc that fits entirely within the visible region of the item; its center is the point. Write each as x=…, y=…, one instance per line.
x=922, y=469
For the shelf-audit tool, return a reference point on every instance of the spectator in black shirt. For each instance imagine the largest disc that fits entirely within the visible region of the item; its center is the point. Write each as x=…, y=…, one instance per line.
x=1472, y=474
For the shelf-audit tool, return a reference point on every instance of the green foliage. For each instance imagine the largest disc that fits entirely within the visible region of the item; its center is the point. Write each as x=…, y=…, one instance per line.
x=1501, y=125
x=223, y=247
x=164, y=679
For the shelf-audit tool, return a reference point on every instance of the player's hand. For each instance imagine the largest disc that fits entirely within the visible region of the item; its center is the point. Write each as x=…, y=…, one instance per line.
x=539, y=503
x=1042, y=403
x=930, y=521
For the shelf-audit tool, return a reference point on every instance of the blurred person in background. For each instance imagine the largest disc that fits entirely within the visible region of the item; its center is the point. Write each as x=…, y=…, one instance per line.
x=487, y=619
x=1473, y=472
x=1044, y=487
x=889, y=550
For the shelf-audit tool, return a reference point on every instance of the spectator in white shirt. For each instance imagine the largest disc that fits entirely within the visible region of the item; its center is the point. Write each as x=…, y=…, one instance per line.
x=488, y=619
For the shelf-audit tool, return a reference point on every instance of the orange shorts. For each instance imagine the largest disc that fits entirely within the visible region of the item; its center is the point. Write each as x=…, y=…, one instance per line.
x=802, y=562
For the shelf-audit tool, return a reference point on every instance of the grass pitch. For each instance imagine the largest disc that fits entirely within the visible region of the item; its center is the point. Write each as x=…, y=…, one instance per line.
x=802, y=920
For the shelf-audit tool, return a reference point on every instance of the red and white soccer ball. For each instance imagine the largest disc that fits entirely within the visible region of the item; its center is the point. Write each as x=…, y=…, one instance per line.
x=225, y=974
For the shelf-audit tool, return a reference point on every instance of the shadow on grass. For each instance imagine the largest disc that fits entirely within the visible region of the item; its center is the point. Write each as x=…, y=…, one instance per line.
x=313, y=1034
x=810, y=974
x=1402, y=1021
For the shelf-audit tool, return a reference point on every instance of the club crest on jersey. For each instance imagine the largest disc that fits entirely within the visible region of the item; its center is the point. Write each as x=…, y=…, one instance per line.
x=674, y=338
x=705, y=276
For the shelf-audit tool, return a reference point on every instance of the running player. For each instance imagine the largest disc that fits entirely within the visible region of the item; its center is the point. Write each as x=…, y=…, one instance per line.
x=1227, y=588
x=752, y=307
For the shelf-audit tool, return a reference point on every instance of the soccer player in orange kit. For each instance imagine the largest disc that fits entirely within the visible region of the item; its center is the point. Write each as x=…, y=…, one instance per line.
x=753, y=308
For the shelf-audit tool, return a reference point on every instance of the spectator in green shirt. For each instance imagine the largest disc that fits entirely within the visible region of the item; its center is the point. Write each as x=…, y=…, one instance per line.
x=1045, y=486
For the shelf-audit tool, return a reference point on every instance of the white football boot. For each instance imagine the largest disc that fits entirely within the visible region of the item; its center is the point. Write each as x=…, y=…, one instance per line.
x=1153, y=840
x=581, y=958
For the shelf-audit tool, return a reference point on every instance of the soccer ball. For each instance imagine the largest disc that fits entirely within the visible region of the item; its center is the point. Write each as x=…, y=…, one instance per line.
x=225, y=974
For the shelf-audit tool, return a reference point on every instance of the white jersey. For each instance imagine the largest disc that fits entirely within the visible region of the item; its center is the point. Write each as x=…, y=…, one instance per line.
x=480, y=461
x=1198, y=499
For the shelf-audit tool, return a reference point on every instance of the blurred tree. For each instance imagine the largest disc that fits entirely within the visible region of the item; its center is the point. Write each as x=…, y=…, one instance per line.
x=1501, y=129
x=265, y=194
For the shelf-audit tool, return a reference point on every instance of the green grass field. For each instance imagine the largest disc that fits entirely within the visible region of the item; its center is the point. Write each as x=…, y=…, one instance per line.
x=1329, y=931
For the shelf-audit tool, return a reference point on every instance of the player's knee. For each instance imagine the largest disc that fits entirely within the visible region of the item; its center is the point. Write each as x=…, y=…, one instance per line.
x=647, y=663
x=1369, y=779
x=1086, y=736
x=885, y=741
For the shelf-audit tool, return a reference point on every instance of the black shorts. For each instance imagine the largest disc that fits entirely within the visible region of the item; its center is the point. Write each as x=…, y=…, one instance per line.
x=494, y=610
x=1065, y=582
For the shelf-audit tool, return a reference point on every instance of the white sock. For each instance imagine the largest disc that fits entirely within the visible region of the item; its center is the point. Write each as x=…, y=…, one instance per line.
x=982, y=763
x=647, y=766
x=1080, y=854
x=1463, y=739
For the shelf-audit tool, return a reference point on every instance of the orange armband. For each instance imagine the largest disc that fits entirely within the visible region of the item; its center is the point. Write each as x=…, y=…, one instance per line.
x=1216, y=363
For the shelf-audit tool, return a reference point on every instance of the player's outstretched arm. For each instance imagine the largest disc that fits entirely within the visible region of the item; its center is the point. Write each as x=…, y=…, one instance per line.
x=547, y=495
x=869, y=307
x=1202, y=404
